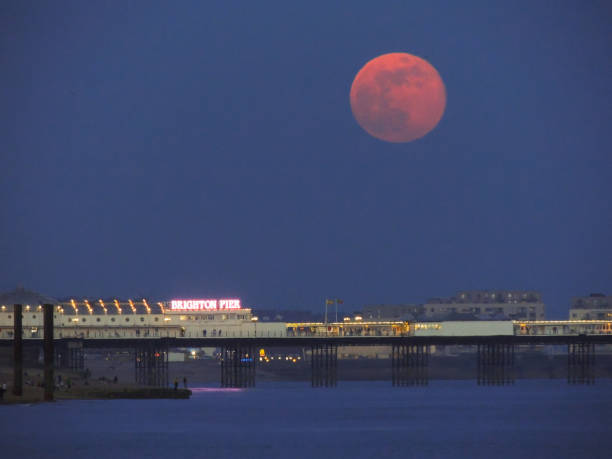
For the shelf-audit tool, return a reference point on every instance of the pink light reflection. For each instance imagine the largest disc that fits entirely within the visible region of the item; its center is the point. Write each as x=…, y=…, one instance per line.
x=196, y=390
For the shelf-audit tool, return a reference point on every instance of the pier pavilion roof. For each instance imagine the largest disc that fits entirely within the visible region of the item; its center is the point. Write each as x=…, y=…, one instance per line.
x=111, y=306
x=33, y=301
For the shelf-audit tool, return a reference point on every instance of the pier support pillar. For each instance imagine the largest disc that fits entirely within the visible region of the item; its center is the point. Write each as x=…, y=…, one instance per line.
x=324, y=364
x=17, y=350
x=409, y=364
x=151, y=363
x=238, y=366
x=581, y=363
x=495, y=364
x=48, y=348
x=69, y=355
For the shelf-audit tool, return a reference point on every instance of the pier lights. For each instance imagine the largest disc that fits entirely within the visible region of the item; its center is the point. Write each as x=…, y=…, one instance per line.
x=119, y=311
x=131, y=303
x=144, y=301
x=103, y=306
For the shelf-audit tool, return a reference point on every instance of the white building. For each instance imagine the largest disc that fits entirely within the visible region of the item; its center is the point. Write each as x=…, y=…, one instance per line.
x=110, y=319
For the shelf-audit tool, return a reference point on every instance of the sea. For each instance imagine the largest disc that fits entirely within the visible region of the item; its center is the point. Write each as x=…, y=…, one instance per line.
x=446, y=419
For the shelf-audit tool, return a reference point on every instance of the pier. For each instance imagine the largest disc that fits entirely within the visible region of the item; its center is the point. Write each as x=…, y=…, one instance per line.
x=150, y=330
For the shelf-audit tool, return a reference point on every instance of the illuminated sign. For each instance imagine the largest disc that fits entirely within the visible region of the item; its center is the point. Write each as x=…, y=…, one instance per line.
x=204, y=305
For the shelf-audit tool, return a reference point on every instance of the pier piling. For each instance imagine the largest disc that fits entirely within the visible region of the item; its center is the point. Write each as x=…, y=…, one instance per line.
x=581, y=363
x=17, y=350
x=409, y=365
x=495, y=364
x=151, y=364
x=324, y=365
x=49, y=354
x=238, y=364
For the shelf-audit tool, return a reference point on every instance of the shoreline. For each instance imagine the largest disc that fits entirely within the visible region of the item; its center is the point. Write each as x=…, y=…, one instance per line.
x=75, y=386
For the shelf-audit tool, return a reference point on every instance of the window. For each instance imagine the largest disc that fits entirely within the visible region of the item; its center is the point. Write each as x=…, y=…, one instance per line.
x=156, y=319
x=84, y=319
x=127, y=319
x=112, y=319
x=33, y=316
x=98, y=319
x=142, y=319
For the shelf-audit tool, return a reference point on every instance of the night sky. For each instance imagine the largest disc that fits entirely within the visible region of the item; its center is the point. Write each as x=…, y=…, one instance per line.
x=208, y=149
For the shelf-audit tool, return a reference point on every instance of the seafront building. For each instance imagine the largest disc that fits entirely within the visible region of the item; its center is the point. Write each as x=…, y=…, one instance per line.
x=489, y=304
x=596, y=306
x=391, y=312
x=465, y=305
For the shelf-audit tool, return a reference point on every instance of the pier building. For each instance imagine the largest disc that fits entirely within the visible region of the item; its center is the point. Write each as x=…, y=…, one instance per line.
x=136, y=318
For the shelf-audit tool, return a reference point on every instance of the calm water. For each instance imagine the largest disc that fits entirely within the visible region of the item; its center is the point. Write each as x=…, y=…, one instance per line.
x=357, y=419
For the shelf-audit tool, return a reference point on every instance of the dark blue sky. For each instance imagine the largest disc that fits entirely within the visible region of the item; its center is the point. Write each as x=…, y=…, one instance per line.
x=189, y=149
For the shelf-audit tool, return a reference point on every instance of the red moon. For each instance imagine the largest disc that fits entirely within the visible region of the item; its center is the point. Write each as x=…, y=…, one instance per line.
x=398, y=97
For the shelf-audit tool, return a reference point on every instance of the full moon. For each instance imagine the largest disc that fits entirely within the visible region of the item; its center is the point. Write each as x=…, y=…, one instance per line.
x=398, y=97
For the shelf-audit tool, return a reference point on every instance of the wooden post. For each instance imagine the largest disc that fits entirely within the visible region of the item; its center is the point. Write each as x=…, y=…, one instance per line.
x=48, y=347
x=17, y=350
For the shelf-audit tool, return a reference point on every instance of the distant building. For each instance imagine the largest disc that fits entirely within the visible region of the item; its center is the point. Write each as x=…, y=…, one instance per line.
x=385, y=312
x=596, y=306
x=487, y=305
x=465, y=305
x=288, y=315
